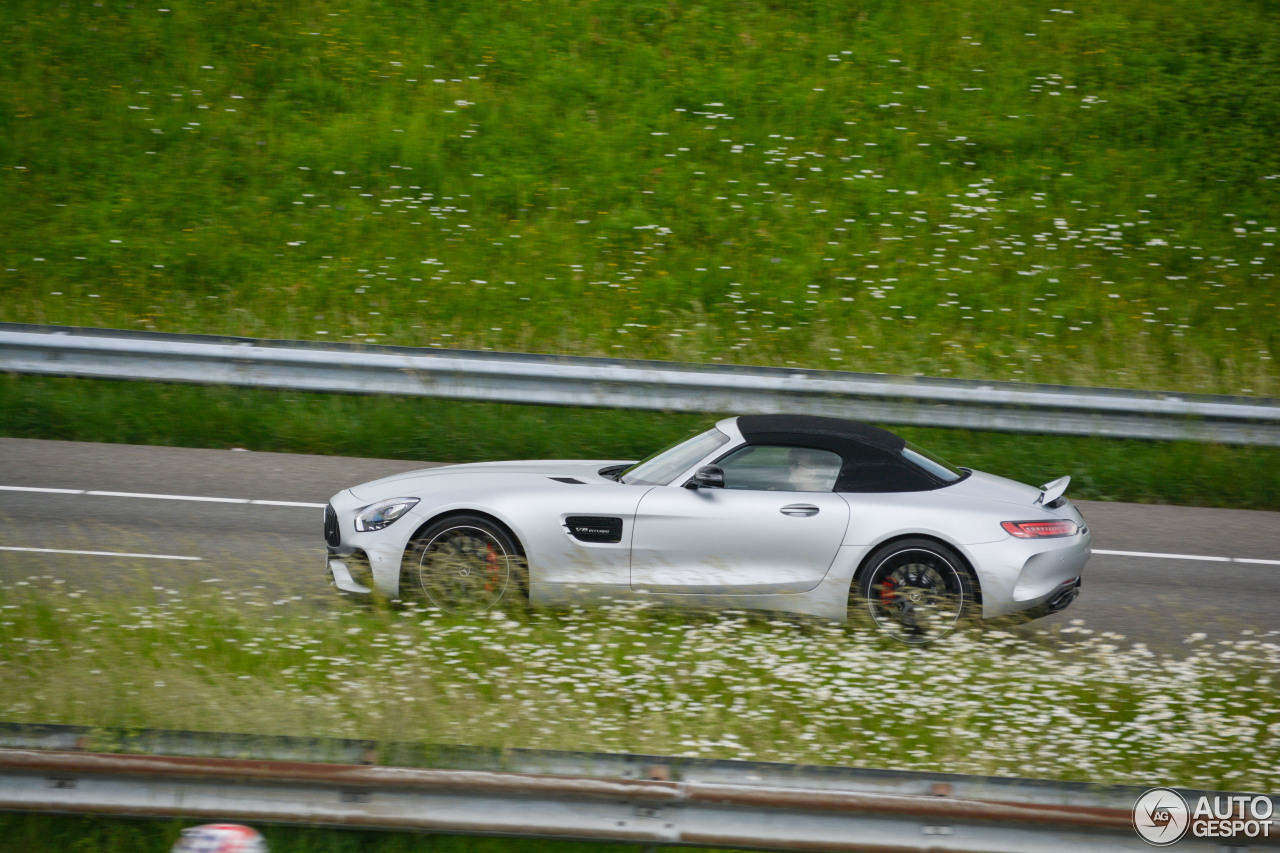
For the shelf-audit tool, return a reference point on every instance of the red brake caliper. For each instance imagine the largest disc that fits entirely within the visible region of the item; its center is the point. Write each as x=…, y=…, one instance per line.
x=491, y=561
x=886, y=590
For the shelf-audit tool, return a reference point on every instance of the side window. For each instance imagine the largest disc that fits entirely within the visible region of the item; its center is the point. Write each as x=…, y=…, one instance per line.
x=777, y=468
x=879, y=472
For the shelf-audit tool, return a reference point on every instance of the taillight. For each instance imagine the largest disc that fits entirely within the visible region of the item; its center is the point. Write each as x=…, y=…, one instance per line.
x=1039, y=529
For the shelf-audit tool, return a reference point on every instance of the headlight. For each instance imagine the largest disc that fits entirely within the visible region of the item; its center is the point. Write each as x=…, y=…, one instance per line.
x=379, y=515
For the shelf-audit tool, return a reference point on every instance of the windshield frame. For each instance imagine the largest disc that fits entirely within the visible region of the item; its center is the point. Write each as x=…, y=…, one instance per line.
x=661, y=469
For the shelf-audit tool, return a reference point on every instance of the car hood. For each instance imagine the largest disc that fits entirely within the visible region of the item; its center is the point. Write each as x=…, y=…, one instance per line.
x=579, y=469
x=989, y=487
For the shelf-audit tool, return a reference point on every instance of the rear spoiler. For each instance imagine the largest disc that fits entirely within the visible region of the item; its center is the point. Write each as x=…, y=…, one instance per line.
x=1054, y=490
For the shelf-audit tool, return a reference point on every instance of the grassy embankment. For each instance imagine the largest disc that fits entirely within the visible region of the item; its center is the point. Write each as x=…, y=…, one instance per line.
x=1083, y=197
x=1074, y=706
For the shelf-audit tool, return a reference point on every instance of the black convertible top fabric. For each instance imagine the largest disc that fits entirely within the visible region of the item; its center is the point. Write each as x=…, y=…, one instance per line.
x=761, y=428
x=871, y=457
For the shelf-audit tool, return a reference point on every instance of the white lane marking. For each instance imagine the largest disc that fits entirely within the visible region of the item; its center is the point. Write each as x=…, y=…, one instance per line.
x=99, y=553
x=98, y=494
x=167, y=497
x=1186, y=557
x=49, y=491
x=1162, y=556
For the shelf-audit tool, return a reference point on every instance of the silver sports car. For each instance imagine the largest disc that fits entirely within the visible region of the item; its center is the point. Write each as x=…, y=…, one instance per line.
x=806, y=514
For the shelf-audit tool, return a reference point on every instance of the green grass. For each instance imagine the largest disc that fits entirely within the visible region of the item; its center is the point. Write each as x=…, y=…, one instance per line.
x=452, y=431
x=30, y=833
x=943, y=187
x=1072, y=705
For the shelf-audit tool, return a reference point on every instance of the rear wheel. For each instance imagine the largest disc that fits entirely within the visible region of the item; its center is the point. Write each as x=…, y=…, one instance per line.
x=916, y=590
x=464, y=564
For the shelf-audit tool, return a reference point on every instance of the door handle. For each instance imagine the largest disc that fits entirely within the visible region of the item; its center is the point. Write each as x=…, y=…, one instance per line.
x=799, y=510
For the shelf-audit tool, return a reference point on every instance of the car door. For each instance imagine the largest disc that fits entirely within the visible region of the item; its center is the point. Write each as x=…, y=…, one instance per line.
x=759, y=534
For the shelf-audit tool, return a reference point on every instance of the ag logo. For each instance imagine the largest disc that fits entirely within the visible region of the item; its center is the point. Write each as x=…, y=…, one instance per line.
x=1161, y=817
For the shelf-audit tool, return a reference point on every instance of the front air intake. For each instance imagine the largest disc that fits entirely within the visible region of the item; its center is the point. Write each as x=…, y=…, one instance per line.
x=331, y=533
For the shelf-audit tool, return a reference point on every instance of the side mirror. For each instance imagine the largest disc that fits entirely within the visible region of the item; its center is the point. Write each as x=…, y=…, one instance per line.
x=707, y=477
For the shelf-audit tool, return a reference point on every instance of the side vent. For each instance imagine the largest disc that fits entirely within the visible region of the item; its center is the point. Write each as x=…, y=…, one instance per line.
x=570, y=480
x=594, y=528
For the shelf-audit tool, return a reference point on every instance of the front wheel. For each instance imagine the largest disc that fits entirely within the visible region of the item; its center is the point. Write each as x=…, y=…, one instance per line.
x=916, y=590
x=463, y=564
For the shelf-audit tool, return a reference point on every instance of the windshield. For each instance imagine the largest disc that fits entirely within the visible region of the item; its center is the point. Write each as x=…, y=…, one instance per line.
x=662, y=467
x=943, y=470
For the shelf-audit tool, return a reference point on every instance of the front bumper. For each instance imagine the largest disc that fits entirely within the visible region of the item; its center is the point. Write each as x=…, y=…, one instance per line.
x=350, y=574
x=362, y=564
x=375, y=568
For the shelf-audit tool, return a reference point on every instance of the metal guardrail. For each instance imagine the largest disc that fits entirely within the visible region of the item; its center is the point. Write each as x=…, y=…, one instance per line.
x=610, y=383
x=655, y=800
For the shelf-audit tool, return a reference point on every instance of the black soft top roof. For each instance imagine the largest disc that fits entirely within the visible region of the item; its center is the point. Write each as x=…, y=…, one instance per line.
x=771, y=428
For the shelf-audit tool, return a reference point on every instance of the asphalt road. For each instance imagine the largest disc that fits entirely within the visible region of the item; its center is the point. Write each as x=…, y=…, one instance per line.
x=265, y=528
